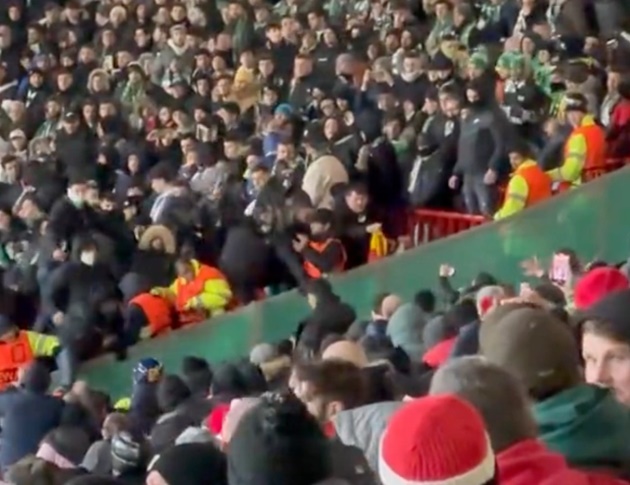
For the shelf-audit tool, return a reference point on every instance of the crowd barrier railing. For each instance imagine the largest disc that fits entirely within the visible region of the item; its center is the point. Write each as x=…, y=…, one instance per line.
x=611, y=165
x=428, y=225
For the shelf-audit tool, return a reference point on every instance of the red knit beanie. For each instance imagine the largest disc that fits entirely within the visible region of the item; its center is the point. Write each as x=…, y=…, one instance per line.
x=596, y=284
x=436, y=440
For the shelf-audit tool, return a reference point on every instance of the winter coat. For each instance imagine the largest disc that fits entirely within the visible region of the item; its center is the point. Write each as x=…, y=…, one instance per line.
x=26, y=418
x=480, y=145
x=320, y=177
x=331, y=315
x=587, y=426
x=363, y=427
x=529, y=462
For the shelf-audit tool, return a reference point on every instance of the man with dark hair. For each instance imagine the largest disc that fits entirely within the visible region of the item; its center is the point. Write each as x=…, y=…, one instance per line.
x=27, y=413
x=197, y=375
x=425, y=300
x=328, y=387
x=172, y=397
x=161, y=177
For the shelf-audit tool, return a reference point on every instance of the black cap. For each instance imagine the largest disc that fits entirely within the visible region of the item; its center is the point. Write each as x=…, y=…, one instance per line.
x=71, y=117
x=613, y=309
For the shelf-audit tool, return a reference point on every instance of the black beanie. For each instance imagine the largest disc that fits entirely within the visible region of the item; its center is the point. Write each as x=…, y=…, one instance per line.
x=278, y=442
x=192, y=464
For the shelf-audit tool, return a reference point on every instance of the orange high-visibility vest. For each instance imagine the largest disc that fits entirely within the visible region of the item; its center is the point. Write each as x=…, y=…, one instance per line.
x=14, y=355
x=313, y=271
x=595, y=137
x=157, y=310
x=596, y=149
x=538, y=183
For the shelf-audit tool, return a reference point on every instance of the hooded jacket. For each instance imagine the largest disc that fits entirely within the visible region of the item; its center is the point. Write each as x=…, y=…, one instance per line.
x=530, y=463
x=587, y=426
x=331, y=315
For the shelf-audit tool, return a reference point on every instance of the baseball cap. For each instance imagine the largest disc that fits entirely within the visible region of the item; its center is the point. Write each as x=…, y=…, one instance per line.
x=532, y=344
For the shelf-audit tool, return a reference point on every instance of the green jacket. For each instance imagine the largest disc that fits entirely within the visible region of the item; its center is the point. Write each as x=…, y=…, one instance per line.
x=586, y=425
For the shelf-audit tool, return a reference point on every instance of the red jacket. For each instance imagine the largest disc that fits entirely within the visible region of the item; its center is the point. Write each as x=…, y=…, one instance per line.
x=618, y=134
x=530, y=463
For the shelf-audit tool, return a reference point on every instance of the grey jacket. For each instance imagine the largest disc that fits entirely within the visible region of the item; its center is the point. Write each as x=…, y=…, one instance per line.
x=98, y=459
x=363, y=427
x=481, y=145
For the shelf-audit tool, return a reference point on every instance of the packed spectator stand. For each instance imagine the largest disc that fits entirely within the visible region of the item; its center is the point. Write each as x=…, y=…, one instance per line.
x=164, y=162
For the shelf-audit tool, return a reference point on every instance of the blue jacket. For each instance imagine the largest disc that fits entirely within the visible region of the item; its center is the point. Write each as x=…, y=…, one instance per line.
x=26, y=418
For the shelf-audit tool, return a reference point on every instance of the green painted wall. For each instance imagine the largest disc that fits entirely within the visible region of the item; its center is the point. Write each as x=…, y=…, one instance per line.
x=593, y=220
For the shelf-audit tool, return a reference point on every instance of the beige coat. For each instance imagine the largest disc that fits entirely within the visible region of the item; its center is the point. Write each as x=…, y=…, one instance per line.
x=320, y=177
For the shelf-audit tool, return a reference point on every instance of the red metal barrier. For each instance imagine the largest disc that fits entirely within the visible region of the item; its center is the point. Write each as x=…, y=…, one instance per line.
x=429, y=225
x=589, y=174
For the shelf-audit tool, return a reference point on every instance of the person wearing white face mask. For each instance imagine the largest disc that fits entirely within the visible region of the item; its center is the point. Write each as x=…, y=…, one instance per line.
x=88, y=257
x=69, y=216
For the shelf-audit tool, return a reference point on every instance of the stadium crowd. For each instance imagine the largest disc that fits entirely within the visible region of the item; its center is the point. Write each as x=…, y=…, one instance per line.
x=166, y=161
x=501, y=388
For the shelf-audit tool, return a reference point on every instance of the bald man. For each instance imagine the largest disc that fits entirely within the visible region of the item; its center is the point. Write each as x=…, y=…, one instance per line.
x=390, y=305
x=347, y=351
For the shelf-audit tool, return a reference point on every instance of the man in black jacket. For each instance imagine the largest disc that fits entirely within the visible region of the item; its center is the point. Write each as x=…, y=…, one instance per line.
x=428, y=180
x=69, y=216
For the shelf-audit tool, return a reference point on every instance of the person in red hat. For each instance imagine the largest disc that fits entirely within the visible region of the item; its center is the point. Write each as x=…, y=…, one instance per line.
x=437, y=440
x=596, y=284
